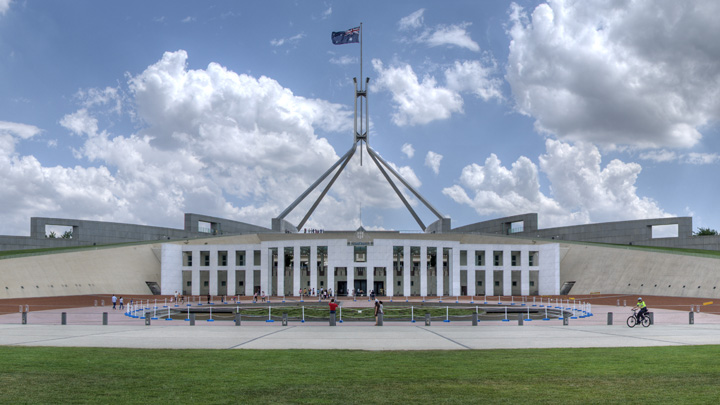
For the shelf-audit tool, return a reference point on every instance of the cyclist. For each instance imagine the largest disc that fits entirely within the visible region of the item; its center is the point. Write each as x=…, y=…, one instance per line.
x=642, y=309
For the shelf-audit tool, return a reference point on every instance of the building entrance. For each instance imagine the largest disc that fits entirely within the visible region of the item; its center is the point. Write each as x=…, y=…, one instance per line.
x=379, y=288
x=341, y=288
x=361, y=288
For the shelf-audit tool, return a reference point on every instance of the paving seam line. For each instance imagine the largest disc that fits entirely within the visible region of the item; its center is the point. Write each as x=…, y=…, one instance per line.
x=619, y=335
x=68, y=337
x=444, y=337
x=260, y=337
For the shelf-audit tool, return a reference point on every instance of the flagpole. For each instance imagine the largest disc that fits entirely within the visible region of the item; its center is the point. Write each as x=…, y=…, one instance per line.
x=361, y=89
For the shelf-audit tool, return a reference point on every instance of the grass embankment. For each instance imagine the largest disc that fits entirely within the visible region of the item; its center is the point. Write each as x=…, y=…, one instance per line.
x=618, y=375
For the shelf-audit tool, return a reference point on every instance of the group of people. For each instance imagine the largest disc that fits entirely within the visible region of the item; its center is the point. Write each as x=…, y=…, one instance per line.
x=260, y=294
x=116, y=301
x=322, y=293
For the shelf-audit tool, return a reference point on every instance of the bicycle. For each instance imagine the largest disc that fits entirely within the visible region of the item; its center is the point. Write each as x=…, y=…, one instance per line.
x=632, y=320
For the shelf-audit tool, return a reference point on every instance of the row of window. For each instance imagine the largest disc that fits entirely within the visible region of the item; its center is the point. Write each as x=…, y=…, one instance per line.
x=360, y=255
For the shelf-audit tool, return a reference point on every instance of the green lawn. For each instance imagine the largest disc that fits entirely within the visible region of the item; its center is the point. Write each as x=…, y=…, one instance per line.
x=669, y=375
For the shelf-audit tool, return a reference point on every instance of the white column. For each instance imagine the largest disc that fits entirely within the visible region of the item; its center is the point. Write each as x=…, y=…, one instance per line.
x=213, y=272
x=489, y=282
x=296, y=271
x=249, y=279
x=231, y=275
x=265, y=268
x=195, y=280
x=440, y=269
x=471, y=284
x=454, y=269
x=281, y=271
x=525, y=282
x=423, y=271
x=407, y=266
x=313, y=269
x=350, y=276
x=390, y=274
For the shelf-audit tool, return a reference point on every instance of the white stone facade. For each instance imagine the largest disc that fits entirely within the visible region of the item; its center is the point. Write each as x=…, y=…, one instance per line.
x=437, y=267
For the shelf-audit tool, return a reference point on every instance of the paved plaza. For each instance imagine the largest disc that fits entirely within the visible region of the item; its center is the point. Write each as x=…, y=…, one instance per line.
x=84, y=329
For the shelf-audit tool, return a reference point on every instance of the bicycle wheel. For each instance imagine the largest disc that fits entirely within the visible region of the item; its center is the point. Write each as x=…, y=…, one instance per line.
x=631, y=321
x=646, y=321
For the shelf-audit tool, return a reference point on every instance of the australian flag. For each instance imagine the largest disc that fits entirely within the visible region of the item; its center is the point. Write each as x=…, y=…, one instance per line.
x=351, y=36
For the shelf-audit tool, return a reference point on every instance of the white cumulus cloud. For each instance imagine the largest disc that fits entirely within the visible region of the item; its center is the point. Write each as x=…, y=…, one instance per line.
x=582, y=190
x=432, y=160
x=417, y=102
x=408, y=150
x=641, y=73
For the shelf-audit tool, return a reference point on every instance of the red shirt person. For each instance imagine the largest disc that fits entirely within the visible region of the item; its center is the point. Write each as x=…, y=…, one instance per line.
x=333, y=306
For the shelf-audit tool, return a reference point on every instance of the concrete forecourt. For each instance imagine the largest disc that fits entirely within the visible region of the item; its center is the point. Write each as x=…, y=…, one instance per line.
x=84, y=328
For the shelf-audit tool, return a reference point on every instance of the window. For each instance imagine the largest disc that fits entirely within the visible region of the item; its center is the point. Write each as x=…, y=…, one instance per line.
x=222, y=258
x=189, y=283
x=479, y=283
x=360, y=253
x=240, y=258
x=479, y=259
x=463, y=257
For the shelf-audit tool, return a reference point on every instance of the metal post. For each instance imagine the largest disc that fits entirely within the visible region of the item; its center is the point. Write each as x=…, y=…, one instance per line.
x=474, y=319
x=147, y=320
x=427, y=319
x=24, y=318
x=610, y=318
x=63, y=318
x=284, y=319
x=692, y=318
x=520, y=319
x=237, y=319
x=651, y=315
x=380, y=319
x=332, y=319
x=192, y=319
x=105, y=318
x=566, y=320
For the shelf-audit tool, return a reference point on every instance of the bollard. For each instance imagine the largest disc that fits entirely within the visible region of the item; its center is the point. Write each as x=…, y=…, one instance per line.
x=102, y=303
x=24, y=318
x=618, y=304
x=474, y=319
x=192, y=319
x=651, y=315
x=284, y=319
x=332, y=319
x=147, y=320
x=63, y=318
x=520, y=319
x=237, y=319
x=692, y=318
x=95, y=302
x=105, y=318
x=427, y=319
x=380, y=319
x=20, y=309
x=566, y=321
x=610, y=318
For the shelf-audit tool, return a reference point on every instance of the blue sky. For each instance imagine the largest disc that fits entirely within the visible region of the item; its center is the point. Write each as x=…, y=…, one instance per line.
x=136, y=111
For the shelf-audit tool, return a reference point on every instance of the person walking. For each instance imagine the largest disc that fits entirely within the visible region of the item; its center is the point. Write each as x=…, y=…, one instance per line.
x=114, y=300
x=121, y=303
x=377, y=311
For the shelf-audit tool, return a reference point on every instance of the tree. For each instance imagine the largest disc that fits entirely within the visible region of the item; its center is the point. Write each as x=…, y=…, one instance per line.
x=705, y=232
x=52, y=235
x=67, y=235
